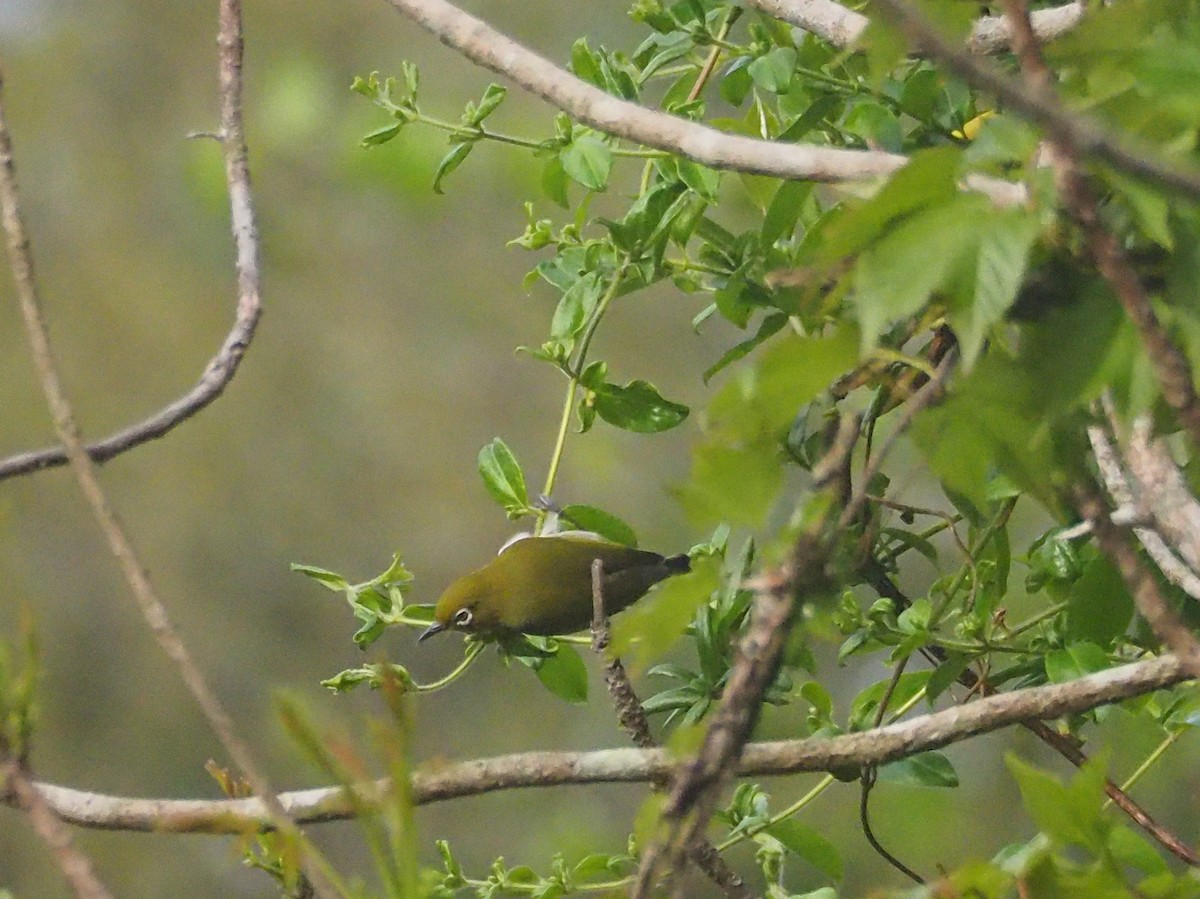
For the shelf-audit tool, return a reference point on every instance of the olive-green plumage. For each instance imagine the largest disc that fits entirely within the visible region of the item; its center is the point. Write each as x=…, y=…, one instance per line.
x=543, y=585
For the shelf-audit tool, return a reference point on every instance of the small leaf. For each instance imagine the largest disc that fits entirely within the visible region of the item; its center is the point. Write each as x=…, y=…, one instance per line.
x=638, y=406
x=381, y=135
x=330, y=579
x=449, y=163
x=493, y=96
x=644, y=633
x=773, y=71
x=503, y=477
x=564, y=674
x=926, y=769
x=1077, y=660
x=589, y=518
x=809, y=844
x=587, y=160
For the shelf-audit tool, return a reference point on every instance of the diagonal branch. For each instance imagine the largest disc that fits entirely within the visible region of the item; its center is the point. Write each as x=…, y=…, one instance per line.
x=842, y=27
x=487, y=47
x=224, y=365
x=1087, y=136
x=443, y=782
x=229, y=43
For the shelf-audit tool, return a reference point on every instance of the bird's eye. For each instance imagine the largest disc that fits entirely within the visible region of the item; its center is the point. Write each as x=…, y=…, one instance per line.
x=463, y=618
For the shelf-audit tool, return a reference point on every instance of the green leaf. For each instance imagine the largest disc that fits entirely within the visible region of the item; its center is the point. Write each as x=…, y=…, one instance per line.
x=1075, y=661
x=638, y=406
x=554, y=182
x=769, y=326
x=926, y=769
x=929, y=179
x=647, y=630
x=1005, y=237
x=737, y=484
x=781, y=216
x=1099, y=607
x=381, y=135
x=809, y=844
x=699, y=178
x=1068, y=815
x=564, y=674
x=587, y=160
x=589, y=518
x=576, y=304
x=450, y=162
x=766, y=398
x=876, y=125
x=330, y=579
x=493, y=96
x=503, y=477
x=896, y=277
x=773, y=71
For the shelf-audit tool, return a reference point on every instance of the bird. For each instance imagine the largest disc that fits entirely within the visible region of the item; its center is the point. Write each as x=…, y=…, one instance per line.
x=543, y=585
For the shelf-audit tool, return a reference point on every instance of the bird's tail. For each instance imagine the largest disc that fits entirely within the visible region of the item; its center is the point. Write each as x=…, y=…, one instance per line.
x=678, y=564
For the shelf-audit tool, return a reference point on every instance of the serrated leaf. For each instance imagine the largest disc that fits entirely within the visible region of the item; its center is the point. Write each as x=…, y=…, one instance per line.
x=895, y=277
x=503, y=477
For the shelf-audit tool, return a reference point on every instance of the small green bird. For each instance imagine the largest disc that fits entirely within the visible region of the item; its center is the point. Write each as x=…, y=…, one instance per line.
x=543, y=585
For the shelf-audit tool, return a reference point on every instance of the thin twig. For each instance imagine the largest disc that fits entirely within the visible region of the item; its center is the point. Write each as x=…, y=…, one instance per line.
x=443, y=782
x=75, y=866
x=224, y=365
x=634, y=722
x=21, y=260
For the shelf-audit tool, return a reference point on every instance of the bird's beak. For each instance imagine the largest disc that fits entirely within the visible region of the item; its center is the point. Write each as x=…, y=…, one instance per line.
x=436, y=628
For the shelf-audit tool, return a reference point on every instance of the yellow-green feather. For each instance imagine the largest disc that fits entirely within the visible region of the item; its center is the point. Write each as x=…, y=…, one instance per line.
x=543, y=585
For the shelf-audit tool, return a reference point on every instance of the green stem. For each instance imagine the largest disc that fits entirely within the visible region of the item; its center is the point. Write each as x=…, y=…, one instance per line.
x=469, y=657
x=1150, y=761
x=564, y=425
x=478, y=132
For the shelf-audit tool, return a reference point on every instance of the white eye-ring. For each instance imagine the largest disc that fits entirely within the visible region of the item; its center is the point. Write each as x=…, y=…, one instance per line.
x=463, y=618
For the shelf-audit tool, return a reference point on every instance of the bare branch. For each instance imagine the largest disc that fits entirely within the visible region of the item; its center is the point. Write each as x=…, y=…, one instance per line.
x=224, y=365
x=1140, y=582
x=1118, y=488
x=843, y=27
x=1085, y=135
x=76, y=867
x=633, y=721
x=444, y=782
x=229, y=42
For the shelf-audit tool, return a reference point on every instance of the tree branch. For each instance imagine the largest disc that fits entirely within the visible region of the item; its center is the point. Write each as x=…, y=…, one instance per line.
x=224, y=365
x=444, y=782
x=487, y=47
x=76, y=867
x=229, y=43
x=1087, y=136
x=843, y=27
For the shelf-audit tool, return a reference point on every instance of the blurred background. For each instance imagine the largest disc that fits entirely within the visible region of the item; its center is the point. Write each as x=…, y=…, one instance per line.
x=384, y=361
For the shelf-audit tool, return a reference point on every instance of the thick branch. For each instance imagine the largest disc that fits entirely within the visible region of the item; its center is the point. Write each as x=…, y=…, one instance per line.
x=487, y=47
x=547, y=769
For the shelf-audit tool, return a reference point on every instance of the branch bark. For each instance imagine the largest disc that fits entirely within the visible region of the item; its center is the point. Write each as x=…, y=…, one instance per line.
x=444, y=782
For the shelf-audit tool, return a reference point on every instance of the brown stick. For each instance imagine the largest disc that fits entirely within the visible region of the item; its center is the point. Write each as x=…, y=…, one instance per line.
x=632, y=717
x=75, y=866
x=21, y=259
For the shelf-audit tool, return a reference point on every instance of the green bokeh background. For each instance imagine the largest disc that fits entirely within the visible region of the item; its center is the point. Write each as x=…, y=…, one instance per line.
x=383, y=362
